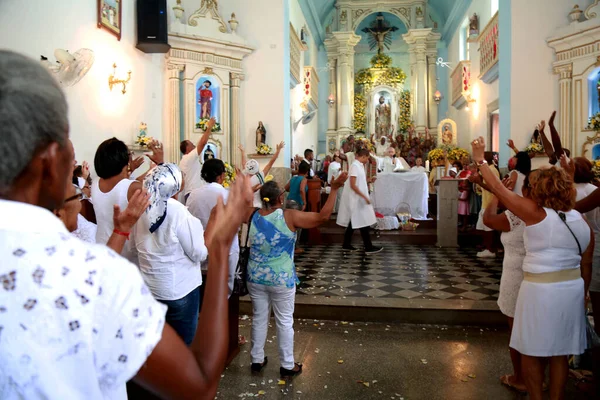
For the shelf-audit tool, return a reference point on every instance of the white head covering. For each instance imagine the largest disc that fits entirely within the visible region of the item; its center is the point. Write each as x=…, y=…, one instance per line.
x=252, y=167
x=163, y=182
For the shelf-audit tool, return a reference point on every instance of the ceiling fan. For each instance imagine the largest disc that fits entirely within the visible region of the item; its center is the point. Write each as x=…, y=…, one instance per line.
x=70, y=68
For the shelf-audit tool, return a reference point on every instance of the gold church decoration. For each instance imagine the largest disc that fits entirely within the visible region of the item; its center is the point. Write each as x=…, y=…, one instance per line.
x=113, y=80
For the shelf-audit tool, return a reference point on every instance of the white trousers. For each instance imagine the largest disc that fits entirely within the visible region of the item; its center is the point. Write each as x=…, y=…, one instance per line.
x=281, y=299
x=233, y=261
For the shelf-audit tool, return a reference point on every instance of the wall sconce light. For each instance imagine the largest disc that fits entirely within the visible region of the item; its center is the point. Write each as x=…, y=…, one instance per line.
x=437, y=97
x=331, y=100
x=469, y=98
x=112, y=80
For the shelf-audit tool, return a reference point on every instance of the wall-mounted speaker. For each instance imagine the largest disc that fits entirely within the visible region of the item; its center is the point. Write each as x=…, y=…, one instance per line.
x=152, y=30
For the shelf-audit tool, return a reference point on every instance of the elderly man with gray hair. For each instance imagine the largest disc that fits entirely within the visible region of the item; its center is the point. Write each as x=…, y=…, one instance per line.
x=77, y=320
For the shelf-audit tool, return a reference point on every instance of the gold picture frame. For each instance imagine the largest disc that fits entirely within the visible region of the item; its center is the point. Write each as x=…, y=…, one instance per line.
x=110, y=16
x=590, y=141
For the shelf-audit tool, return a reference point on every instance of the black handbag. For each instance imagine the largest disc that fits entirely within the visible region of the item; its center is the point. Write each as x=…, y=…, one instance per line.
x=240, y=287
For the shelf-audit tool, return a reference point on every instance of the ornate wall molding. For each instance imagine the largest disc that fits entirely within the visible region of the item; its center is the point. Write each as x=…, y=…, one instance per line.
x=208, y=7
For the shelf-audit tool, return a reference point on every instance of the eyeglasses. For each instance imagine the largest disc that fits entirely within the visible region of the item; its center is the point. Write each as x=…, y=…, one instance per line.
x=78, y=196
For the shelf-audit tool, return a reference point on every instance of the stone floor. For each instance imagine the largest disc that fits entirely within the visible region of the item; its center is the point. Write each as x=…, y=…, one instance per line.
x=399, y=272
x=396, y=361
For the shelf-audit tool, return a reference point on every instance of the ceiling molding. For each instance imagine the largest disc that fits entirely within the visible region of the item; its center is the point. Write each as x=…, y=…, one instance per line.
x=454, y=19
x=313, y=20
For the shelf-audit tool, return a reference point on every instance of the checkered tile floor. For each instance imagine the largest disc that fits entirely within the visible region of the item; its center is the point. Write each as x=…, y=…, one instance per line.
x=399, y=272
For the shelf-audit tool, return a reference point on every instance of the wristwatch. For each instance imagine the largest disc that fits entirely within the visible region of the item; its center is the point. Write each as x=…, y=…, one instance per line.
x=482, y=162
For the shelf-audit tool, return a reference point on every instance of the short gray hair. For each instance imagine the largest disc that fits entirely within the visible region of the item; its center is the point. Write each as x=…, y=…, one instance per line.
x=33, y=113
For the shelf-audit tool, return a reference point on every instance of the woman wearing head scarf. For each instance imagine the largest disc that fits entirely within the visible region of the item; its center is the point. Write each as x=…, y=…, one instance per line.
x=170, y=245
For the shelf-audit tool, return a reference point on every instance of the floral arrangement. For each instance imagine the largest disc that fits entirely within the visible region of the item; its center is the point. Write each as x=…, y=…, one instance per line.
x=594, y=122
x=454, y=154
x=596, y=169
x=534, y=148
x=264, y=149
x=390, y=76
x=143, y=140
x=404, y=121
x=436, y=155
x=229, y=175
x=457, y=154
x=202, y=125
x=360, y=117
x=381, y=60
x=363, y=142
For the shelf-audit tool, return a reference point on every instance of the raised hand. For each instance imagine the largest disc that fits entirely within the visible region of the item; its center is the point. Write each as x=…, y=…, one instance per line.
x=339, y=182
x=510, y=143
x=158, y=155
x=135, y=163
x=567, y=164
x=210, y=124
x=478, y=149
x=138, y=203
x=241, y=148
x=228, y=218
x=508, y=183
x=280, y=146
x=558, y=150
x=475, y=178
x=540, y=127
x=85, y=170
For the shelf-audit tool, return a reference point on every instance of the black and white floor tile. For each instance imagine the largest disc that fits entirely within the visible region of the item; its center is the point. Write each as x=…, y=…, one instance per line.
x=399, y=272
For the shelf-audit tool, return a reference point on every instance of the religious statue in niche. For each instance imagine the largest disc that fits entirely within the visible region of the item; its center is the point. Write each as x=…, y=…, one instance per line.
x=205, y=97
x=261, y=134
x=380, y=33
x=447, y=135
x=383, y=117
x=474, y=25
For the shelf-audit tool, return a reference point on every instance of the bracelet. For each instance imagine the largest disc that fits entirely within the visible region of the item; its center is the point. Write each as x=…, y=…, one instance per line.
x=126, y=234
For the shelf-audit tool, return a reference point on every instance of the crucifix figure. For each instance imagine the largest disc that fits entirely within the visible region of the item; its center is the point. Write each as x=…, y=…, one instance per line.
x=380, y=34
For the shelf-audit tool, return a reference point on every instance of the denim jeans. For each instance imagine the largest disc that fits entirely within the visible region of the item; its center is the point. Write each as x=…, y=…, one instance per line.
x=182, y=315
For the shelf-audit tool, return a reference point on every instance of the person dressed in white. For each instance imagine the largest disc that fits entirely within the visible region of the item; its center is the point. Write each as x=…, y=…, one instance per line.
x=272, y=276
x=512, y=229
x=190, y=163
x=518, y=174
x=549, y=315
x=114, y=188
x=202, y=201
x=356, y=211
x=418, y=166
x=78, y=321
x=258, y=177
x=170, y=245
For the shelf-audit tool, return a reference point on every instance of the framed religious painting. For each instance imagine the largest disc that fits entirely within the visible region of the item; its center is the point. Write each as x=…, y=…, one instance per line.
x=109, y=16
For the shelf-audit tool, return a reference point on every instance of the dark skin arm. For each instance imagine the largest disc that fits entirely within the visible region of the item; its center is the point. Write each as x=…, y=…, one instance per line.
x=589, y=203
x=586, y=262
x=157, y=157
x=174, y=371
x=547, y=145
x=558, y=150
x=205, y=136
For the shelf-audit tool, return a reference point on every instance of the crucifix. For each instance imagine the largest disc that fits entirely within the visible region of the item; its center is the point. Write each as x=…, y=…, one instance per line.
x=380, y=33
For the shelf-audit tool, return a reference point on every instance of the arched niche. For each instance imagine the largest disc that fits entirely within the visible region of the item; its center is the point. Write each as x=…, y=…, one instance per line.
x=391, y=95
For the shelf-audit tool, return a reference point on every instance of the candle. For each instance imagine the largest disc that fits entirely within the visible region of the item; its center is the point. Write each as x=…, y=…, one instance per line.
x=427, y=165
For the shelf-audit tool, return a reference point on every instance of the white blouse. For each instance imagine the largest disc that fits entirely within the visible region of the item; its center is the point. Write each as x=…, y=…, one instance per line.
x=77, y=320
x=170, y=257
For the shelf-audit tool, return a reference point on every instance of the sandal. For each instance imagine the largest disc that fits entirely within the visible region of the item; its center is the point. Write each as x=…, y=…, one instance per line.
x=505, y=380
x=258, y=367
x=290, y=373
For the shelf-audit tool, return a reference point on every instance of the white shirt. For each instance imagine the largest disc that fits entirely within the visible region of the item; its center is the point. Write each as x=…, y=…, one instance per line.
x=353, y=208
x=78, y=321
x=170, y=257
x=86, y=230
x=312, y=172
x=334, y=171
x=417, y=169
x=191, y=167
x=255, y=180
x=593, y=217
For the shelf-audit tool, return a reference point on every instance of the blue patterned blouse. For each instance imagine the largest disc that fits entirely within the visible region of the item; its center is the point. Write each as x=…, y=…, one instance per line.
x=272, y=243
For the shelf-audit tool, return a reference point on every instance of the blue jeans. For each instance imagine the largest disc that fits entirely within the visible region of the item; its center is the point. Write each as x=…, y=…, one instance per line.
x=182, y=315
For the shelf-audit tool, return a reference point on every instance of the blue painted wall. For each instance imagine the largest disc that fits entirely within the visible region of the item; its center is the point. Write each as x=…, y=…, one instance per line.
x=443, y=83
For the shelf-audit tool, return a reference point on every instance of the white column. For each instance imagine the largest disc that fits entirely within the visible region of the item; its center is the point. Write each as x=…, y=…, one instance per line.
x=332, y=121
x=565, y=73
x=421, y=42
x=235, y=80
x=433, y=107
x=173, y=139
x=345, y=44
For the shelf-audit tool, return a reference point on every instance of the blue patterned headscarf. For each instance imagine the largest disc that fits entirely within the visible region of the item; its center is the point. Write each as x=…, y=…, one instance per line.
x=162, y=183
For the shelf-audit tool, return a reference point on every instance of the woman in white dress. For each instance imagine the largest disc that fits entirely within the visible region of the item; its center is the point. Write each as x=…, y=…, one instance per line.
x=356, y=211
x=518, y=174
x=549, y=315
x=335, y=169
x=512, y=229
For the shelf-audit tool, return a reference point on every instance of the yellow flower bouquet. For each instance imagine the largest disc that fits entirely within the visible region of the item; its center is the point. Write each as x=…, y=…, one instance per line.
x=534, y=148
x=202, y=125
x=457, y=154
x=594, y=122
x=364, y=143
x=264, y=149
x=229, y=175
x=436, y=155
x=596, y=169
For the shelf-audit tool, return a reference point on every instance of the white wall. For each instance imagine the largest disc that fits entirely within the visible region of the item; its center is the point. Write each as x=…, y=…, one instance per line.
x=37, y=27
x=472, y=123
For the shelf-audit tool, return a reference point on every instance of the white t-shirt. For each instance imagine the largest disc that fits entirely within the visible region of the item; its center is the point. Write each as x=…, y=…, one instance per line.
x=335, y=168
x=203, y=200
x=417, y=169
x=191, y=167
x=77, y=319
x=170, y=257
x=86, y=230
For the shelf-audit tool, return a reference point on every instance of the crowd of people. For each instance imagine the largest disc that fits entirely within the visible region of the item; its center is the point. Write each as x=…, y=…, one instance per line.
x=87, y=306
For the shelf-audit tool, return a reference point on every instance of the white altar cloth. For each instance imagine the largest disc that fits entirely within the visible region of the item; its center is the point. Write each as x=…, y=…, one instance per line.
x=392, y=189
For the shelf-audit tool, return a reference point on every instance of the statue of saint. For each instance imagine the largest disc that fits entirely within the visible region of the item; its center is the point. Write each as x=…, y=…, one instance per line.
x=205, y=99
x=447, y=135
x=383, y=116
x=261, y=134
x=474, y=25
x=380, y=38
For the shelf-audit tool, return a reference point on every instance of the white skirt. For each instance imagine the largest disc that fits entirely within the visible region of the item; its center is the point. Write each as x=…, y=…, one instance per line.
x=510, y=283
x=550, y=319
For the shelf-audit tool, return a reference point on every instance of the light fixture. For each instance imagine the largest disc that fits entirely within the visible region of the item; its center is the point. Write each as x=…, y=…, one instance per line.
x=437, y=97
x=113, y=80
x=331, y=100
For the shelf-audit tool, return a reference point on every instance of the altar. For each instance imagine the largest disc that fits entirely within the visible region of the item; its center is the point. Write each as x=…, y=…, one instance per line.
x=394, y=188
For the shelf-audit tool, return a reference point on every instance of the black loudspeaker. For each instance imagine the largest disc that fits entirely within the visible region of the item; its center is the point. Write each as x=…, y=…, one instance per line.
x=152, y=30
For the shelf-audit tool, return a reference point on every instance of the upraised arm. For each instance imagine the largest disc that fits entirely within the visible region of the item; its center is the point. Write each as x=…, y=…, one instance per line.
x=523, y=208
x=244, y=160
x=548, y=149
x=493, y=220
x=268, y=167
x=204, y=139
x=558, y=150
x=309, y=220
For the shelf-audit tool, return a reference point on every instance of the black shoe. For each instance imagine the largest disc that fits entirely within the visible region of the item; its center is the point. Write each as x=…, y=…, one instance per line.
x=351, y=248
x=257, y=367
x=373, y=250
x=290, y=373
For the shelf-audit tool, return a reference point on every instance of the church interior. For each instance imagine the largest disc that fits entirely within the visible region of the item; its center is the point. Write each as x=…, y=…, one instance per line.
x=415, y=82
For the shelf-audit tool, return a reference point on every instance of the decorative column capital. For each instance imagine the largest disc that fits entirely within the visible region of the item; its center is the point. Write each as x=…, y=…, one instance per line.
x=236, y=78
x=174, y=70
x=564, y=71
